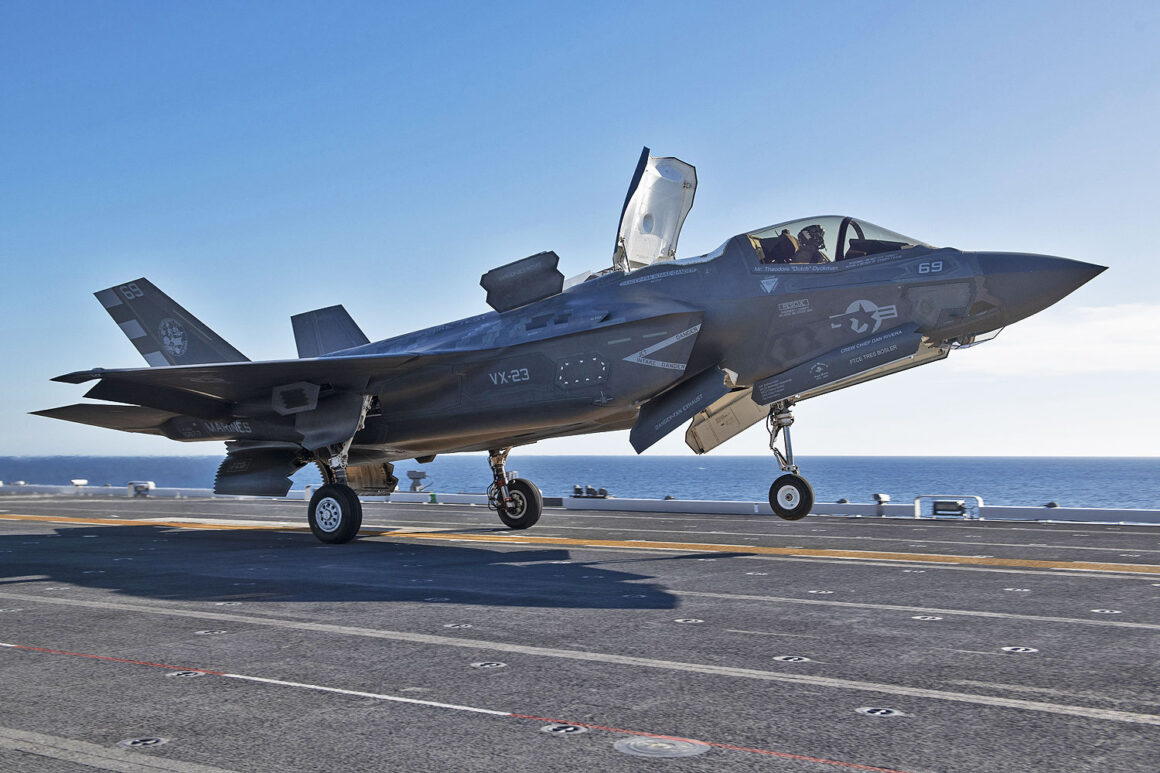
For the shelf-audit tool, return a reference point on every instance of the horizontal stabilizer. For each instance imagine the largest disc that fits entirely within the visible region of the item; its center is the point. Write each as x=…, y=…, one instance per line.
x=661, y=415
x=163, y=332
x=323, y=331
x=127, y=418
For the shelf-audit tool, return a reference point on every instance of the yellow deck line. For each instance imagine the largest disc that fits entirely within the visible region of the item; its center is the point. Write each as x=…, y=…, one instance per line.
x=703, y=547
x=190, y=524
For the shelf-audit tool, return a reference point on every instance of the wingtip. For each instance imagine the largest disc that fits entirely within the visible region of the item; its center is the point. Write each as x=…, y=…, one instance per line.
x=79, y=377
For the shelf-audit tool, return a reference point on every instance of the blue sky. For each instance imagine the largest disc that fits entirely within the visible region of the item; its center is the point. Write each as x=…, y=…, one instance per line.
x=256, y=160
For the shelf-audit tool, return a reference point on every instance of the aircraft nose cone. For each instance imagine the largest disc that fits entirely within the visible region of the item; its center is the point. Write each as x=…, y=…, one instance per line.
x=1025, y=284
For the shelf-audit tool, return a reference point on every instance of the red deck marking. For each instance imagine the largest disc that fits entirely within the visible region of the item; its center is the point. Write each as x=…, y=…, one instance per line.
x=622, y=731
x=115, y=660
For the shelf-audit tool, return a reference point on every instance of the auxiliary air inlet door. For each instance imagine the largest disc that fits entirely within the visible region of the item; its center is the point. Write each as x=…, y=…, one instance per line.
x=659, y=198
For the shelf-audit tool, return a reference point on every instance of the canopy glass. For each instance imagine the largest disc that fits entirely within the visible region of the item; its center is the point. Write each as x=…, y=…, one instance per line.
x=826, y=239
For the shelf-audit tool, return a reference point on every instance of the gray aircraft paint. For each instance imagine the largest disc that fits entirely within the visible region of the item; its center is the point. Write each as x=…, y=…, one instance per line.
x=710, y=338
x=896, y=344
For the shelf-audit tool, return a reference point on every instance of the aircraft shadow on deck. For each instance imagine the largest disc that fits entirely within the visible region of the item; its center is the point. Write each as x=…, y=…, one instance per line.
x=252, y=567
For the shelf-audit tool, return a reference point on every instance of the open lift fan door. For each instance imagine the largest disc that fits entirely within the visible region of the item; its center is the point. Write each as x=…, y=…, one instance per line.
x=655, y=212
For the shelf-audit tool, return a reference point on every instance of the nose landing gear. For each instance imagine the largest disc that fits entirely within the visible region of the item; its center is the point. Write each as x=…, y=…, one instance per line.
x=517, y=501
x=791, y=495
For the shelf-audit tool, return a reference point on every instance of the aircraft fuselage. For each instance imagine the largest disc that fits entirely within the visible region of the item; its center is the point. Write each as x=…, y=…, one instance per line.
x=585, y=360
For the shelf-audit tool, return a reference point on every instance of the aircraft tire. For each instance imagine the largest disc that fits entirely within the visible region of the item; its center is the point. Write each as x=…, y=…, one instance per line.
x=335, y=513
x=791, y=497
x=527, y=505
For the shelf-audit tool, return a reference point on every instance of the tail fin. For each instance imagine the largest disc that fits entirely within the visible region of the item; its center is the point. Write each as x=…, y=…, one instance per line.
x=164, y=332
x=323, y=331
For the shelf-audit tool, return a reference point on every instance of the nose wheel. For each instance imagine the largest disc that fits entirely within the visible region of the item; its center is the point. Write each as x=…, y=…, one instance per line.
x=791, y=495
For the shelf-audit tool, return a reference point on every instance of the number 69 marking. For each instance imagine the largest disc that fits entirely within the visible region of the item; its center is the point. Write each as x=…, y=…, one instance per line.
x=933, y=267
x=131, y=291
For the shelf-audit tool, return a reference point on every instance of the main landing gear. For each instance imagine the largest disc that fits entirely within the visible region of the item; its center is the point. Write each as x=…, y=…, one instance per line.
x=790, y=496
x=335, y=512
x=517, y=501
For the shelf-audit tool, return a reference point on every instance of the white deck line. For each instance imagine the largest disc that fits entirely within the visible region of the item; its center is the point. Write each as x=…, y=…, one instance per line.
x=623, y=660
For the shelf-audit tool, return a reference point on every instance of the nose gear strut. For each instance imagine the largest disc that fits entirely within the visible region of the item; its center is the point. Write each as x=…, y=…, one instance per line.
x=779, y=421
x=791, y=495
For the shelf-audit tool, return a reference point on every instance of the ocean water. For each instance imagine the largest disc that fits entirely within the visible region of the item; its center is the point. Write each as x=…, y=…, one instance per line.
x=1070, y=482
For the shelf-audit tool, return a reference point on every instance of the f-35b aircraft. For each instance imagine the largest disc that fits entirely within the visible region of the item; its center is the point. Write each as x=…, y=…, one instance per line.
x=721, y=341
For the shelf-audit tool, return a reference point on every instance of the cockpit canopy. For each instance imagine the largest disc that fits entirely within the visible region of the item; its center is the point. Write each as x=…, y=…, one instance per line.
x=826, y=239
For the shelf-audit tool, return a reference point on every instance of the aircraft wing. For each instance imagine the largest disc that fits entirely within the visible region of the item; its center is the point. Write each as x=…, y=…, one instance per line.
x=236, y=381
x=209, y=390
x=318, y=401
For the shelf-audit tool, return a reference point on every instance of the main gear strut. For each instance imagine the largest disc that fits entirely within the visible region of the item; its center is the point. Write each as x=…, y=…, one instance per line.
x=518, y=502
x=498, y=493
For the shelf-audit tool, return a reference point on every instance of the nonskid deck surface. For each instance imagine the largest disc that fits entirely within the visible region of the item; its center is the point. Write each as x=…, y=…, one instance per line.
x=440, y=640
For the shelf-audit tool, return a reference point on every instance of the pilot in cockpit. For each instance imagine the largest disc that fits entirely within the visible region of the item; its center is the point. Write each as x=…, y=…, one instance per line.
x=779, y=249
x=811, y=241
x=784, y=248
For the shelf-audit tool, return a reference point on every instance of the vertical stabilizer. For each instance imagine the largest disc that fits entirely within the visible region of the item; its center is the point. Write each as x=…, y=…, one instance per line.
x=323, y=331
x=164, y=332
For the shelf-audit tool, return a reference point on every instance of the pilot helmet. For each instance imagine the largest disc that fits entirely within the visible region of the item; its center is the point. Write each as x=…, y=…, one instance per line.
x=812, y=236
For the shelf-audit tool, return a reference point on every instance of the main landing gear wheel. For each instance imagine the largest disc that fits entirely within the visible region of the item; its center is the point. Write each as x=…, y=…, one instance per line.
x=791, y=497
x=335, y=513
x=524, y=506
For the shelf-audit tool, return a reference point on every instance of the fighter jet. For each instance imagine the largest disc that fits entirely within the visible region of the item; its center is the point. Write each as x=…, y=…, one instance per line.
x=720, y=341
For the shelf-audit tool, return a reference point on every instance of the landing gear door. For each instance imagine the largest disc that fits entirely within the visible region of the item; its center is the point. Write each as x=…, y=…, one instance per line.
x=659, y=198
x=726, y=418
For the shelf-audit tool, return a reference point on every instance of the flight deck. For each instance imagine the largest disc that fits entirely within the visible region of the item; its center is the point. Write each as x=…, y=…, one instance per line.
x=218, y=634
